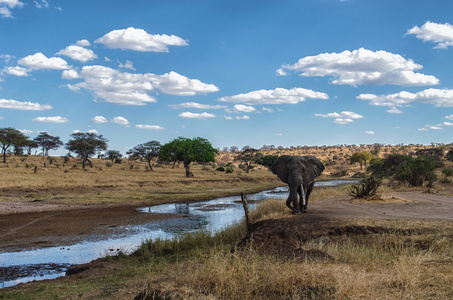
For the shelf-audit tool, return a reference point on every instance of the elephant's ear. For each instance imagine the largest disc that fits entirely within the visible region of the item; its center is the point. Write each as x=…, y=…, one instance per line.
x=280, y=167
x=315, y=166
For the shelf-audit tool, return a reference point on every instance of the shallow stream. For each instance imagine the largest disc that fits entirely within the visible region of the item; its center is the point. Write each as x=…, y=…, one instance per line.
x=213, y=215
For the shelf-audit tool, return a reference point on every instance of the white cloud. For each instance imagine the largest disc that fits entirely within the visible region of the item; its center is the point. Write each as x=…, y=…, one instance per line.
x=394, y=110
x=196, y=105
x=6, y=57
x=202, y=116
x=13, y=104
x=173, y=83
x=238, y=108
x=127, y=65
x=40, y=61
x=441, y=34
x=363, y=66
x=341, y=118
x=56, y=119
x=83, y=43
x=7, y=5
x=121, y=121
x=78, y=53
x=369, y=132
x=139, y=40
x=16, y=71
x=436, y=97
x=447, y=124
x=132, y=89
x=70, y=74
x=93, y=131
x=277, y=96
x=450, y=117
x=244, y=117
x=149, y=127
x=41, y=4
x=280, y=72
x=228, y=118
x=99, y=119
x=269, y=110
x=25, y=131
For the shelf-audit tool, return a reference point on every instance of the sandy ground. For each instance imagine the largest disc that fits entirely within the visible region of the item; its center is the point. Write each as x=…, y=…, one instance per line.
x=29, y=224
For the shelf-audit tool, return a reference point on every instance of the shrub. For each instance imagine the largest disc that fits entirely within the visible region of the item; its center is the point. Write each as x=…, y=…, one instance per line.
x=108, y=164
x=366, y=189
x=220, y=169
x=447, y=171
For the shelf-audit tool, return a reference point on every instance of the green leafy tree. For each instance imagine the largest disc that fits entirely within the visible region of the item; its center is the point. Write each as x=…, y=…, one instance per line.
x=10, y=136
x=86, y=144
x=249, y=156
x=113, y=154
x=188, y=150
x=30, y=145
x=149, y=151
x=47, y=142
x=361, y=158
x=268, y=160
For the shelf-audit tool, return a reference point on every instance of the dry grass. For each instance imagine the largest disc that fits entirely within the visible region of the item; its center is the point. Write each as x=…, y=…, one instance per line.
x=65, y=183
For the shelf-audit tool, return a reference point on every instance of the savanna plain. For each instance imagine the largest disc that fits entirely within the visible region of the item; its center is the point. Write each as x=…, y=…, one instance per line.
x=384, y=247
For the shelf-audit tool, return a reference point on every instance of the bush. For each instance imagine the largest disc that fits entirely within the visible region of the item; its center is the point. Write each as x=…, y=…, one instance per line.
x=447, y=171
x=220, y=169
x=366, y=189
x=108, y=164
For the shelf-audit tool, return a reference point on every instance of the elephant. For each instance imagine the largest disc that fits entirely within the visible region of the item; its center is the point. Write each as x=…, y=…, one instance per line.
x=299, y=172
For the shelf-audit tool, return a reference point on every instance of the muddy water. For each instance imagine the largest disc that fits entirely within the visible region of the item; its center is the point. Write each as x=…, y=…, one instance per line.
x=213, y=215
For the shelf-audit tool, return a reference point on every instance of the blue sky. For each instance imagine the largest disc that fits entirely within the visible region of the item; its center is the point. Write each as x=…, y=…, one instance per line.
x=305, y=72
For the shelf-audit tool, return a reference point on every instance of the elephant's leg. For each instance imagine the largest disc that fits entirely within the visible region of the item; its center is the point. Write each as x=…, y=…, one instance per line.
x=307, y=195
x=291, y=202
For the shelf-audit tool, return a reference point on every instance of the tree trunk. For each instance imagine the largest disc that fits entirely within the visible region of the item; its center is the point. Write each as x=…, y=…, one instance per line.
x=187, y=167
x=149, y=164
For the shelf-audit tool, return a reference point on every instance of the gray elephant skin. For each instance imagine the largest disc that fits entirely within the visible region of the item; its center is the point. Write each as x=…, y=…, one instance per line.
x=299, y=172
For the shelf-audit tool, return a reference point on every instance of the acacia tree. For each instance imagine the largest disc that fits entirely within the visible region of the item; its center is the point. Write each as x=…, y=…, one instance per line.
x=249, y=156
x=86, y=144
x=10, y=136
x=149, y=151
x=188, y=150
x=113, y=154
x=47, y=142
x=361, y=157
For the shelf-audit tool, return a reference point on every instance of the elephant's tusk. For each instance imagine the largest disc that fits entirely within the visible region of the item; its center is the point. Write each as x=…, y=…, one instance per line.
x=303, y=195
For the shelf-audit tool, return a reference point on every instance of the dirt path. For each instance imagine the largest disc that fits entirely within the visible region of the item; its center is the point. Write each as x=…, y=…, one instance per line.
x=27, y=225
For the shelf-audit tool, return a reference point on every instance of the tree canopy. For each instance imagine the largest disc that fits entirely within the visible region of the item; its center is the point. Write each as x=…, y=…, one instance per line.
x=249, y=156
x=361, y=157
x=149, y=151
x=188, y=150
x=47, y=142
x=86, y=144
x=113, y=154
x=10, y=136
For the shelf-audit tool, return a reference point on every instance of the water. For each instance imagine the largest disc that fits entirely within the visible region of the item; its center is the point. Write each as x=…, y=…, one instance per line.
x=213, y=215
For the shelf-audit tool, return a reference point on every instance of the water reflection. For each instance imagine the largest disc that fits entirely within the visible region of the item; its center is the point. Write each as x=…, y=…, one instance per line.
x=213, y=215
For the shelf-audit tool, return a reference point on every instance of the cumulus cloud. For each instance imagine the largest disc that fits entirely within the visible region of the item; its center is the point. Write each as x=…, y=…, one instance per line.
x=196, y=105
x=70, y=74
x=132, y=88
x=56, y=119
x=228, y=118
x=450, y=117
x=277, y=96
x=436, y=97
x=139, y=40
x=25, y=131
x=240, y=108
x=83, y=43
x=341, y=118
x=244, y=117
x=13, y=104
x=16, y=71
x=7, y=5
x=363, y=66
x=202, y=116
x=78, y=53
x=149, y=127
x=121, y=121
x=369, y=132
x=127, y=65
x=99, y=119
x=40, y=61
x=441, y=34
x=173, y=83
